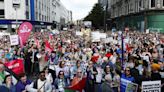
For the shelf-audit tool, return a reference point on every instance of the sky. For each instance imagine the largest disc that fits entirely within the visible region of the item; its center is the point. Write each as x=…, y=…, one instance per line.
x=79, y=8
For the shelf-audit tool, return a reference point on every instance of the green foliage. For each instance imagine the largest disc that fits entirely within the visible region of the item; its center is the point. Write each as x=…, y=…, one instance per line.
x=96, y=16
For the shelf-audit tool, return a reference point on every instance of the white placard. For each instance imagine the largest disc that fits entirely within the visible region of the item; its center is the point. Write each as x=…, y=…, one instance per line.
x=55, y=31
x=151, y=86
x=147, y=31
x=126, y=40
x=14, y=40
x=78, y=33
x=103, y=35
x=95, y=36
x=110, y=39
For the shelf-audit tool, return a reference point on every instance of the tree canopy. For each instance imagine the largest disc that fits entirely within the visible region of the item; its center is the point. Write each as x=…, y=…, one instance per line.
x=96, y=16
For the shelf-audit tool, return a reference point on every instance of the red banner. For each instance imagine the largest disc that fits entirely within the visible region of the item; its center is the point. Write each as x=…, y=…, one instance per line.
x=16, y=66
x=24, y=32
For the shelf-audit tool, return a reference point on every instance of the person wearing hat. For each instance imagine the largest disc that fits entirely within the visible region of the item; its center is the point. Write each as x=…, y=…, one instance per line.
x=155, y=75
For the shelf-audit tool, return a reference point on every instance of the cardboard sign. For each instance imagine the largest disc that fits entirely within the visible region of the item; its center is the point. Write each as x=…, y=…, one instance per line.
x=14, y=40
x=151, y=86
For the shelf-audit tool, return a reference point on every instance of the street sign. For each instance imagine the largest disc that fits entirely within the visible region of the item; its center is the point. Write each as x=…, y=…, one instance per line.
x=16, y=3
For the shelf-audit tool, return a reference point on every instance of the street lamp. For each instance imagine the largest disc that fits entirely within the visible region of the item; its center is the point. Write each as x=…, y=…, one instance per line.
x=105, y=16
x=16, y=5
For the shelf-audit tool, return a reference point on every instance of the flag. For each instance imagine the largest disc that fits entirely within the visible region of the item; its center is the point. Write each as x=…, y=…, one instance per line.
x=37, y=42
x=94, y=59
x=79, y=86
x=16, y=66
x=48, y=47
x=50, y=36
x=24, y=32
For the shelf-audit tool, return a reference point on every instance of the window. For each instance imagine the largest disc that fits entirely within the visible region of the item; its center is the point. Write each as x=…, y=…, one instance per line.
x=1, y=0
x=152, y=3
x=36, y=4
x=27, y=2
x=163, y=3
x=27, y=14
x=1, y=12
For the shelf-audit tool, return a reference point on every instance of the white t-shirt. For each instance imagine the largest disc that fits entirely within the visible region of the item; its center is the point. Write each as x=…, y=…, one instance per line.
x=40, y=84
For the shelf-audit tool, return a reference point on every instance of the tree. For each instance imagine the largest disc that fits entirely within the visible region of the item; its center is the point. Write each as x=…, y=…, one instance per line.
x=96, y=16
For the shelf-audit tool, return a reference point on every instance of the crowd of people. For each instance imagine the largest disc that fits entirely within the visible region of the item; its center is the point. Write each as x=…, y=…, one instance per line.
x=70, y=59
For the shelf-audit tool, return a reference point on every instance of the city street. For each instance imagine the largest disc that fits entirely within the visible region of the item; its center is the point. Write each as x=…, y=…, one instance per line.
x=82, y=46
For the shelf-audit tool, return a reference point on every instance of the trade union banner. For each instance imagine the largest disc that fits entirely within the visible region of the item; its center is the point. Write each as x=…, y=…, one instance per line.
x=16, y=66
x=24, y=32
x=151, y=86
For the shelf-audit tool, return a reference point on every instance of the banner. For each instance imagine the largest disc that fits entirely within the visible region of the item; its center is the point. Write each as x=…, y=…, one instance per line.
x=151, y=86
x=24, y=32
x=16, y=66
x=14, y=40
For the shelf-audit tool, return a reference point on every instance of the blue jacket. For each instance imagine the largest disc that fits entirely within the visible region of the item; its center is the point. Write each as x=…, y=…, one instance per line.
x=21, y=86
x=123, y=85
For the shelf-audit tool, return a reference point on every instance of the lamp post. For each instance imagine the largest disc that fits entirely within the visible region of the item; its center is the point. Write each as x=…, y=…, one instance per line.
x=16, y=5
x=105, y=16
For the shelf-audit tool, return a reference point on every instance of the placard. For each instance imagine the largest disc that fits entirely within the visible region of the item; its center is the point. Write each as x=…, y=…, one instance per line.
x=131, y=87
x=14, y=40
x=103, y=35
x=95, y=36
x=128, y=86
x=151, y=86
x=78, y=33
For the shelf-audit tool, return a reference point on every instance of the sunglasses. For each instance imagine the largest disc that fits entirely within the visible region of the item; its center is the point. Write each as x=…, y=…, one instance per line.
x=42, y=75
x=61, y=74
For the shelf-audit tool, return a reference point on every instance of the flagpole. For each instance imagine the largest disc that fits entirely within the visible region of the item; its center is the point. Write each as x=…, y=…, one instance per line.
x=122, y=46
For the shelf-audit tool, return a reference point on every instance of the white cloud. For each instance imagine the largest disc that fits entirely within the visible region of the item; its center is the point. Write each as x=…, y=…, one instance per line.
x=80, y=8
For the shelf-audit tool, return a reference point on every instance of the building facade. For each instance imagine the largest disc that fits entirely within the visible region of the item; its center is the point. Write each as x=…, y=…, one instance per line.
x=138, y=14
x=104, y=3
x=41, y=13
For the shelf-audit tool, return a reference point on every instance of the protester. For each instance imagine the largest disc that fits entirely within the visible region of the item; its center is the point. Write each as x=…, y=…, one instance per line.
x=21, y=85
x=2, y=73
x=40, y=85
x=48, y=75
x=66, y=59
x=9, y=84
x=60, y=82
x=91, y=77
